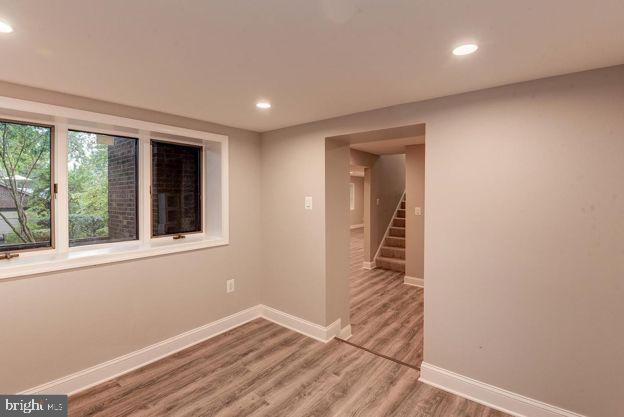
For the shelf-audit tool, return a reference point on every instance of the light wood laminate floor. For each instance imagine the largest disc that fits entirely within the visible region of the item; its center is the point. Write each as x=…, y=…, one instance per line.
x=386, y=314
x=262, y=369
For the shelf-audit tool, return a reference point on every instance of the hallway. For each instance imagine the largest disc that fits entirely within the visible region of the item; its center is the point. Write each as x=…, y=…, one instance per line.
x=386, y=314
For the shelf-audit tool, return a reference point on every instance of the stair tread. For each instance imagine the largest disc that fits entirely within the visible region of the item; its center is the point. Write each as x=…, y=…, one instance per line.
x=393, y=248
x=395, y=237
x=386, y=259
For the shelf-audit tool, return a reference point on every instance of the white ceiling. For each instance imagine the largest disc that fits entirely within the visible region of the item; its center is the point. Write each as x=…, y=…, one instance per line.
x=312, y=59
x=389, y=146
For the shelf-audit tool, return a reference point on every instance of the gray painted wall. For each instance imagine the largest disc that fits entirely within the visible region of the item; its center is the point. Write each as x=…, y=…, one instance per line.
x=55, y=324
x=415, y=225
x=523, y=238
x=523, y=234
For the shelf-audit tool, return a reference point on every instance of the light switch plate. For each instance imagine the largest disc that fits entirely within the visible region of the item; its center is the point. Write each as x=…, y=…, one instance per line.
x=308, y=203
x=418, y=211
x=229, y=286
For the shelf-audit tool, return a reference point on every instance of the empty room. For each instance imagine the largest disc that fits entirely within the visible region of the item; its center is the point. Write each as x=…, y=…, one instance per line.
x=312, y=208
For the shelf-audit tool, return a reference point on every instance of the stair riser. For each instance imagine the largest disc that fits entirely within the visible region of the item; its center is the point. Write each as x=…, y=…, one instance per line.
x=398, y=222
x=393, y=253
x=394, y=242
x=400, y=214
x=397, y=232
x=391, y=266
x=402, y=205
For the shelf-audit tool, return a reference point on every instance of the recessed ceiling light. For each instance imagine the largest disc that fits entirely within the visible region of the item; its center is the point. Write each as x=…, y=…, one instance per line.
x=263, y=104
x=465, y=49
x=5, y=27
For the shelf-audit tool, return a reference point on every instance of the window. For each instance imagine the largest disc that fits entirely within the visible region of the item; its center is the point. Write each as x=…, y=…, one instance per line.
x=176, y=188
x=25, y=186
x=352, y=196
x=79, y=188
x=102, y=182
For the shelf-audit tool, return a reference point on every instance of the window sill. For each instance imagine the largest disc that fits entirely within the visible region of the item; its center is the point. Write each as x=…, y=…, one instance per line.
x=37, y=263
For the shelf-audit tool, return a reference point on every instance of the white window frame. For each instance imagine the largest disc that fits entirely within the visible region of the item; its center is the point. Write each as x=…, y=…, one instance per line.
x=203, y=185
x=215, y=180
x=102, y=131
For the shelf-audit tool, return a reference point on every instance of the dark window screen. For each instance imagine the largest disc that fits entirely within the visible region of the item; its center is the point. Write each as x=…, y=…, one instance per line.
x=176, y=188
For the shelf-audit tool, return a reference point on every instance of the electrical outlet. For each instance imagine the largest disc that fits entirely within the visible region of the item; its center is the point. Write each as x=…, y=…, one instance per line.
x=229, y=285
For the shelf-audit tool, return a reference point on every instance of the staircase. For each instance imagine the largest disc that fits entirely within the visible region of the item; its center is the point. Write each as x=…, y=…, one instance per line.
x=391, y=255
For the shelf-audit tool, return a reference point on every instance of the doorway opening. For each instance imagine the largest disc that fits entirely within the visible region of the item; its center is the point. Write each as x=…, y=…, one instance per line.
x=386, y=242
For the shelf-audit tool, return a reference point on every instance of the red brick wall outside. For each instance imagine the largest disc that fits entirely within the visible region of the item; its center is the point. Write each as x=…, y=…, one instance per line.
x=122, y=189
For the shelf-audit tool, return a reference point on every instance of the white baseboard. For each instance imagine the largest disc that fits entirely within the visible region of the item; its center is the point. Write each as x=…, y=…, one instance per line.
x=97, y=374
x=345, y=333
x=357, y=226
x=417, y=282
x=489, y=395
x=369, y=265
x=113, y=368
x=313, y=330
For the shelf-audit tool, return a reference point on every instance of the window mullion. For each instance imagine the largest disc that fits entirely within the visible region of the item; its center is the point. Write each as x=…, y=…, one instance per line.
x=61, y=218
x=144, y=187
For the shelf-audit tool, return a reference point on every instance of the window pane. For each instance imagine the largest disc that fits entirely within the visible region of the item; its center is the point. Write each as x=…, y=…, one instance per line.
x=25, y=186
x=102, y=179
x=176, y=188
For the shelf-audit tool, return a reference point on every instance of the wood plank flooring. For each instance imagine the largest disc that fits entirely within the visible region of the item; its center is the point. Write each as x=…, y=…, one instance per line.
x=262, y=369
x=386, y=315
